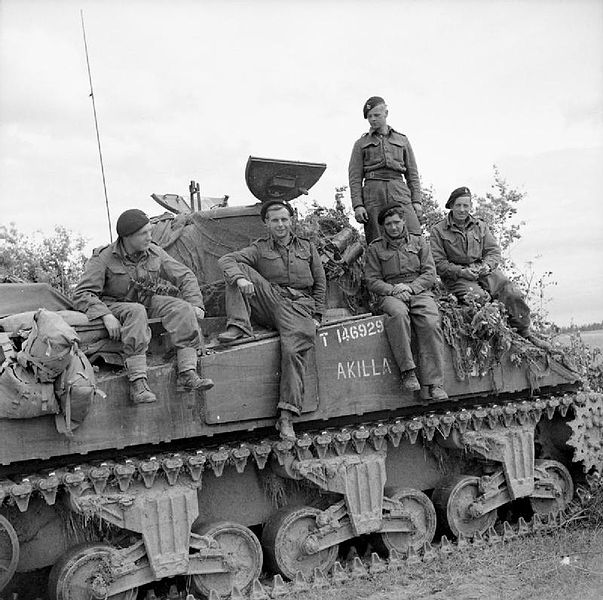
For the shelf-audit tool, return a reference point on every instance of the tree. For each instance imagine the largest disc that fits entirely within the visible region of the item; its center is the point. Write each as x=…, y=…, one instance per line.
x=56, y=259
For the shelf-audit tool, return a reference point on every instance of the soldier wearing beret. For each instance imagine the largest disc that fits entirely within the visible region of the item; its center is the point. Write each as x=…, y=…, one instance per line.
x=467, y=257
x=383, y=171
x=122, y=286
x=399, y=269
x=279, y=281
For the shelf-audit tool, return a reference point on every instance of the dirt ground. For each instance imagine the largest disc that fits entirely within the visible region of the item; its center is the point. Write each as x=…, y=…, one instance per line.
x=563, y=565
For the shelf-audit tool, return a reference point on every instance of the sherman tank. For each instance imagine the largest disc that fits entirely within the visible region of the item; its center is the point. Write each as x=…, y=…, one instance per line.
x=198, y=486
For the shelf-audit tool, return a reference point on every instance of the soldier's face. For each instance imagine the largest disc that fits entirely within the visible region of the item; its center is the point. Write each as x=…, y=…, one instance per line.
x=394, y=226
x=461, y=208
x=139, y=241
x=278, y=222
x=377, y=117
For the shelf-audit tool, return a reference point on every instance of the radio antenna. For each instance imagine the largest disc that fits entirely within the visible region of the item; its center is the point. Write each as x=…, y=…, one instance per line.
x=100, y=152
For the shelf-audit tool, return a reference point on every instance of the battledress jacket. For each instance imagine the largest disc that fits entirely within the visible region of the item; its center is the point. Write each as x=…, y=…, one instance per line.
x=455, y=247
x=110, y=276
x=389, y=262
x=296, y=266
x=374, y=152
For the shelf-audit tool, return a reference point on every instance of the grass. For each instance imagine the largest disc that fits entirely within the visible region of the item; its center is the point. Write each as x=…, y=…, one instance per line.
x=564, y=565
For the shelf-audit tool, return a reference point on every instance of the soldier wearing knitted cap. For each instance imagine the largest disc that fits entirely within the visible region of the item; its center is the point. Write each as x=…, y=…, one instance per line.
x=383, y=171
x=123, y=284
x=467, y=259
x=279, y=281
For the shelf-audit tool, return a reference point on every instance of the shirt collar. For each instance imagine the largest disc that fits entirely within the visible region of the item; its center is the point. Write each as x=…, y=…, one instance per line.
x=375, y=133
x=450, y=223
x=396, y=243
x=275, y=244
x=118, y=248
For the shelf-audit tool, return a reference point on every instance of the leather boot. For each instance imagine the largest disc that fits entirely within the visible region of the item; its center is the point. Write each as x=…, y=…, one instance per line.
x=140, y=393
x=188, y=379
x=136, y=367
x=284, y=426
x=231, y=334
x=410, y=383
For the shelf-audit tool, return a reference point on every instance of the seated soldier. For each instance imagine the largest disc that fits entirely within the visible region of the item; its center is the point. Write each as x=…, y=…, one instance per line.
x=399, y=269
x=122, y=286
x=467, y=257
x=279, y=281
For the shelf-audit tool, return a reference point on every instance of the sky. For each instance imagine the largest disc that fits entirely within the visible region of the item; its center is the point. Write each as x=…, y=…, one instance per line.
x=189, y=90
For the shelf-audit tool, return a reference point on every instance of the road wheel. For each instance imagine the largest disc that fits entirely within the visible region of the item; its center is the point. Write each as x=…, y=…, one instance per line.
x=283, y=540
x=81, y=572
x=564, y=486
x=423, y=516
x=9, y=552
x=242, y=549
x=453, y=502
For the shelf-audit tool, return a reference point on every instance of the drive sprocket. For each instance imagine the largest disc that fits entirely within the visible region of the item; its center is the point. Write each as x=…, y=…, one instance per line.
x=587, y=430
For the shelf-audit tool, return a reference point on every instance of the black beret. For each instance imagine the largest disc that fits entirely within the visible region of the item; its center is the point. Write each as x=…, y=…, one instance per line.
x=270, y=203
x=371, y=103
x=130, y=221
x=462, y=191
x=388, y=211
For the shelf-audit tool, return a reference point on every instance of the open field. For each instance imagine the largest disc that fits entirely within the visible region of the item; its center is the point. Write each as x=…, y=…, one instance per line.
x=590, y=338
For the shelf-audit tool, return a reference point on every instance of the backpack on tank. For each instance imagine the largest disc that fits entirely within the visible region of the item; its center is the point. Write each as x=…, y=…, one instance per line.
x=75, y=388
x=22, y=396
x=49, y=346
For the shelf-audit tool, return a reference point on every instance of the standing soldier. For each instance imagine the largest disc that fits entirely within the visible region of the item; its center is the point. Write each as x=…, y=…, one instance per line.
x=383, y=171
x=122, y=286
x=279, y=281
x=467, y=257
x=400, y=271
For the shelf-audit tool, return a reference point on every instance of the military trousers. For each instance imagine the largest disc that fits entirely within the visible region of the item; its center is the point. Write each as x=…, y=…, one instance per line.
x=291, y=318
x=419, y=315
x=177, y=316
x=377, y=194
x=497, y=286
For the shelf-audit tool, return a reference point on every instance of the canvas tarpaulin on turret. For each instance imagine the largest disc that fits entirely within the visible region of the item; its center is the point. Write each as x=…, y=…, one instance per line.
x=199, y=239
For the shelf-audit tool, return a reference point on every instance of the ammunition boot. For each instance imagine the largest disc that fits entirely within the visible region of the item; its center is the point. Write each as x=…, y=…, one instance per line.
x=285, y=427
x=231, y=334
x=410, y=383
x=136, y=367
x=433, y=393
x=140, y=392
x=188, y=379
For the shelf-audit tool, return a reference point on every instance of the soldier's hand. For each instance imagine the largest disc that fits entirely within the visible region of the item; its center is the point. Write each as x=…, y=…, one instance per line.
x=467, y=273
x=199, y=313
x=361, y=215
x=404, y=296
x=419, y=212
x=112, y=326
x=401, y=287
x=246, y=286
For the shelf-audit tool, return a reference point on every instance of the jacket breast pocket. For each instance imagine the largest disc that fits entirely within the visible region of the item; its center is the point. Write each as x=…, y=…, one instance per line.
x=397, y=148
x=270, y=265
x=372, y=155
x=117, y=281
x=302, y=270
x=474, y=245
x=409, y=260
x=389, y=263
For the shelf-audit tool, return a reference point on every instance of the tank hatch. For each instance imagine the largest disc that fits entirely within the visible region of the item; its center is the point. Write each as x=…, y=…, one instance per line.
x=272, y=179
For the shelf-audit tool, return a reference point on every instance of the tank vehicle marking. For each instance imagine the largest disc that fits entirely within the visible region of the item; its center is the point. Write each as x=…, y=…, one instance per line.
x=370, y=367
x=353, y=332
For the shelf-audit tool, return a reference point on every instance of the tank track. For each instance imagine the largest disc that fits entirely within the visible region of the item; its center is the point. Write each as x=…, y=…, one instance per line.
x=187, y=466
x=191, y=463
